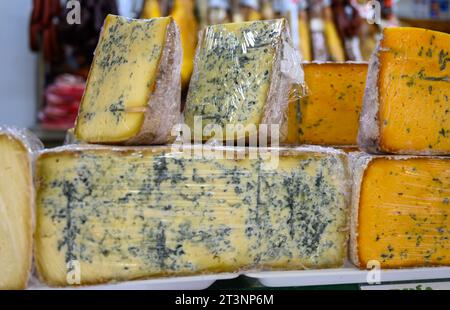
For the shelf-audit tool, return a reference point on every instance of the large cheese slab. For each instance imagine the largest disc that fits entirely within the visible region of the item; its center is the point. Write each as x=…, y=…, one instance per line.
x=329, y=113
x=16, y=207
x=406, y=103
x=120, y=214
x=243, y=75
x=133, y=90
x=401, y=212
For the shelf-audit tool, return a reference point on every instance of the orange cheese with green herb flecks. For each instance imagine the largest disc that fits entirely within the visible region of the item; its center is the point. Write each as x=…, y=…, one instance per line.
x=329, y=113
x=410, y=93
x=403, y=216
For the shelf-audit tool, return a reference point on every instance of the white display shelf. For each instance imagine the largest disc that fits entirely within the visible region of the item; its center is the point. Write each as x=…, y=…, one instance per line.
x=336, y=276
x=200, y=282
x=346, y=275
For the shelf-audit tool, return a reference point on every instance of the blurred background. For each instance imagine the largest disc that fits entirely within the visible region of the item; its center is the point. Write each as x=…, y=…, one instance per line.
x=45, y=56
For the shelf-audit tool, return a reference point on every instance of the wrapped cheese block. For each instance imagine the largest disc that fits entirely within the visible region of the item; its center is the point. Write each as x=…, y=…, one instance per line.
x=133, y=90
x=16, y=206
x=401, y=208
x=329, y=113
x=113, y=214
x=243, y=75
x=406, y=103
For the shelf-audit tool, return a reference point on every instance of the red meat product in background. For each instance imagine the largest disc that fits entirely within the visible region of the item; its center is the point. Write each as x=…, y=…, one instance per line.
x=62, y=99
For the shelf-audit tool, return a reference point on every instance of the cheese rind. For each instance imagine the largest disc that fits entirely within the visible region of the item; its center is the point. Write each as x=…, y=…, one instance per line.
x=329, y=113
x=133, y=213
x=242, y=75
x=133, y=90
x=16, y=206
x=400, y=211
x=406, y=102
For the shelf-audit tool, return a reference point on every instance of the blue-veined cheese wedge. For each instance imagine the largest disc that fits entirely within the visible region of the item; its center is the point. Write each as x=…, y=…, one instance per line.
x=114, y=214
x=243, y=74
x=133, y=90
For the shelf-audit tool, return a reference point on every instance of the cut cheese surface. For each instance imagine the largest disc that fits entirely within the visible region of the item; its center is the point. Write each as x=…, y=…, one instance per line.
x=126, y=214
x=329, y=113
x=413, y=91
x=122, y=79
x=234, y=70
x=404, y=213
x=15, y=213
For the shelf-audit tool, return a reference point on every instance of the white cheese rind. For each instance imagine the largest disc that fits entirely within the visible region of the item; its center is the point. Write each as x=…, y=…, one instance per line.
x=358, y=162
x=369, y=129
x=164, y=105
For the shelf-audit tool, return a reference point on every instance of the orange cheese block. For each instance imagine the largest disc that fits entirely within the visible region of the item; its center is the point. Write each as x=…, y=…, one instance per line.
x=407, y=100
x=401, y=212
x=329, y=114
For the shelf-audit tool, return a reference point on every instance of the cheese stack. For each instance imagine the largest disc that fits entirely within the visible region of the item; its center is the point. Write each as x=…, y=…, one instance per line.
x=401, y=203
x=108, y=213
x=16, y=206
x=329, y=113
x=243, y=75
x=112, y=214
x=133, y=90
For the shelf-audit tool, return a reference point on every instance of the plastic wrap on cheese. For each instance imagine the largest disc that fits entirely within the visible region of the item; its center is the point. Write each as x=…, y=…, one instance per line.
x=400, y=214
x=28, y=139
x=17, y=149
x=406, y=106
x=133, y=91
x=243, y=75
x=70, y=137
x=329, y=112
x=115, y=214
